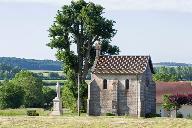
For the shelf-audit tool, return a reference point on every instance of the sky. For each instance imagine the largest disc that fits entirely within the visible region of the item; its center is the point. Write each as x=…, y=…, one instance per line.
x=159, y=28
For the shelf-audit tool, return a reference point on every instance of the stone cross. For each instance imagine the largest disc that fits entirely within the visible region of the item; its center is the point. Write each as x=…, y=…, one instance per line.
x=57, y=103
x=58, y=90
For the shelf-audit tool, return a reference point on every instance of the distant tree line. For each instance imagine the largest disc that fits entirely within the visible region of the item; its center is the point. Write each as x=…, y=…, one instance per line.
x=171, y=64
x=8, y=72
x=180, y=73
x=32, y=64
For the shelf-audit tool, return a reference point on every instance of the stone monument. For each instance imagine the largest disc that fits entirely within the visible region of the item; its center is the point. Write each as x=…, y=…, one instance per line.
x=57, y=103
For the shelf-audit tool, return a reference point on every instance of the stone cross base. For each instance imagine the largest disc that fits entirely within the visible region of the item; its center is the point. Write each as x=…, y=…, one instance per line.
x=57, y=107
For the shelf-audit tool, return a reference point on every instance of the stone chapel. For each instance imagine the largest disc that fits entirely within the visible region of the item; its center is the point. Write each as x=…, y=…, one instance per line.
x=121, y=85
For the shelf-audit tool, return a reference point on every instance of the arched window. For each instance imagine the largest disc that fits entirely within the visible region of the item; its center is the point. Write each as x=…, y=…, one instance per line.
x=104, y=84
x=127, y=84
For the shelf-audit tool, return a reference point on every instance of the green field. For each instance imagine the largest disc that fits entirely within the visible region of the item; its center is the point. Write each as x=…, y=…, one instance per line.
x=22, y=112
x=41, y=71
x=16, y=118
x=52, y=83
x=91, y=122
x=46, y=72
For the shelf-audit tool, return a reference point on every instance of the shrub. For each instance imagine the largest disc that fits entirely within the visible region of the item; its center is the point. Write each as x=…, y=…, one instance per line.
x=32, y=86
x=32, y=113
x=48, y=96
x=179, y=115
x=110, y=114
x=68, y=97
x=11, y=96
x=151, y=115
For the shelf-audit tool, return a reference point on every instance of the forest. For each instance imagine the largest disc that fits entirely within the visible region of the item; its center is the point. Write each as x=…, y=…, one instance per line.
x=32, y=64
x=7, y=72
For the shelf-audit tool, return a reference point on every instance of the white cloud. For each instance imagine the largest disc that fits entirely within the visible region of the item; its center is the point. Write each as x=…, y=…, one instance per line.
x=160, y=5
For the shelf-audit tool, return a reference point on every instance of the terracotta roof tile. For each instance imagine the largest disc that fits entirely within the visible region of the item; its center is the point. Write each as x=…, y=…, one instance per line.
x=122, y=64
x=172, y=88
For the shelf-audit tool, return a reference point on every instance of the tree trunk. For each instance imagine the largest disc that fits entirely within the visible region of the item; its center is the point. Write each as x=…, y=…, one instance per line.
x=86, y=62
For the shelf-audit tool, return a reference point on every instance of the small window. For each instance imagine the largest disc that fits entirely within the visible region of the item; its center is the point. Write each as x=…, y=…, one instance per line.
x=104, y=84
x=127, y=84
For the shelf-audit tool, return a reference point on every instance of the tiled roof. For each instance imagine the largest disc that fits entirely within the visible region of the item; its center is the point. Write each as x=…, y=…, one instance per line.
x=172, y=88
x=122, y=64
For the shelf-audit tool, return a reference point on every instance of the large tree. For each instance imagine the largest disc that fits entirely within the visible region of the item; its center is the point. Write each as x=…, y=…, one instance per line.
x=79, y=25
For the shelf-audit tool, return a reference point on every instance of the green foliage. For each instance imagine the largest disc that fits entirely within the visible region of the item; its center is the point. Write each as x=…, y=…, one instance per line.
x=32, y=113
x=110, y=114
x=31, y=64
x=165, y=74
x=32, y=86
x=151, y=115
x=48, y=96
x=81, y=23
x=164, y=77
x=179, y=115
x=173, y=74
x=53, y=75
x=172, y=102
x=84, y=96
x=167, y=104
x=7, y=71
x=68, y=96
x=11, y=96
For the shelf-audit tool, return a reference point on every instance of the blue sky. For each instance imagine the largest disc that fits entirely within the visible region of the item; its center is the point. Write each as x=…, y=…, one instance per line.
x=160, y=28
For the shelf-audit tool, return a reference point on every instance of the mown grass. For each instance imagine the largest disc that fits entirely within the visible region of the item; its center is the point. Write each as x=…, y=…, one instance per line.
x=22, y=112
x=91, y=122
x=16, y=118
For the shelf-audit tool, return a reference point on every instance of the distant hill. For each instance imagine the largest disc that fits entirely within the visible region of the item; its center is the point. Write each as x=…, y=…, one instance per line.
x=31, y=64
x=170, y=64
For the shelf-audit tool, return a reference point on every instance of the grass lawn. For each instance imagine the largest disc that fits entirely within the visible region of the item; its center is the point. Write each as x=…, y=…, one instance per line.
x=91, y=122
x=22, y=112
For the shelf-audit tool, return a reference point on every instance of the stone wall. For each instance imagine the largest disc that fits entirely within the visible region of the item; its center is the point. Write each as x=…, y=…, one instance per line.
x=138, y=100
x=93, y=101
x=115, y=99
x=148, y=93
